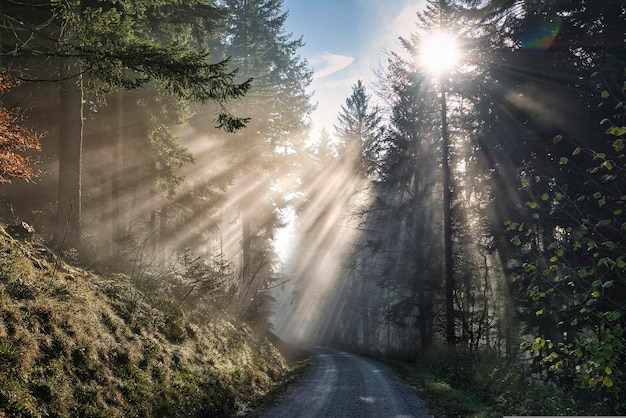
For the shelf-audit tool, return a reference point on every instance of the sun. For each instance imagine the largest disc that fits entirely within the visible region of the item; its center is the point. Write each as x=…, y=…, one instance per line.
x=439, y=52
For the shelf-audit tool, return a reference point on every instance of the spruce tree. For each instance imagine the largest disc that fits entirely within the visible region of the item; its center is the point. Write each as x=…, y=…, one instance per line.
x=279, y=106
x=359, y=128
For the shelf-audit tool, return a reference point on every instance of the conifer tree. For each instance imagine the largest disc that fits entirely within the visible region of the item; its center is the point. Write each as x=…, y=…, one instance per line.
x=279, y=105
x=359, y=128
x=102, y=46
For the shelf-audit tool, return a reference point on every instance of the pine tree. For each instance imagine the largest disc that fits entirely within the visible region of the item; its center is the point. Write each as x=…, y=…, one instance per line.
x=359, y=128
x=410, y=210
x=279, y=105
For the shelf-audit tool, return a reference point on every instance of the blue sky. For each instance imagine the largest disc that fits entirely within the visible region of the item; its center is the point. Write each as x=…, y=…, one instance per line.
x=345, y=41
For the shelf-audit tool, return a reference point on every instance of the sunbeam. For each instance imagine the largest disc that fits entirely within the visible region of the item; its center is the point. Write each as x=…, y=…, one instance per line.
x=321, y=241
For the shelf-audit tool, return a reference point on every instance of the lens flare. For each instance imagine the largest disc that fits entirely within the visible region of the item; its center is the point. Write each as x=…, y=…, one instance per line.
x=540, y=35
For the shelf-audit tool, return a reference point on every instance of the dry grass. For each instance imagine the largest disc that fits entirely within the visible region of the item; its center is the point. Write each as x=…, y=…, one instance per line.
x=76, y=344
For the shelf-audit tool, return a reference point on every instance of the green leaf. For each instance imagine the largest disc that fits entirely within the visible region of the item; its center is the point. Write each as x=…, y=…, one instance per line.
x=612, y=316
x=563, y=160
x=605, y=94
x=553, y=245
x=607, y=381
x=576, y=151
x=512, y=226
x=557, y=139
x=539, y=312
x=545, y=197
x=605, y=262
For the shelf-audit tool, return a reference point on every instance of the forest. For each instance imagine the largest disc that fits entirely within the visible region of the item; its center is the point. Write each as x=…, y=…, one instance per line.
x=473, y=209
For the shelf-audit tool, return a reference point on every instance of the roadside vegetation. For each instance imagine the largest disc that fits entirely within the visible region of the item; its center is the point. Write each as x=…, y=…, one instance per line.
x=74, y=343
x=459, y=382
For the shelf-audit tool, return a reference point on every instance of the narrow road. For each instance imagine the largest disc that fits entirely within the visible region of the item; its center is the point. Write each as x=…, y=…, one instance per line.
x=342, y=385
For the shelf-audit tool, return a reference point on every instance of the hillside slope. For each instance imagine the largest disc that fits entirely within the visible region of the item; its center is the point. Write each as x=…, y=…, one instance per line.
x=75, y=344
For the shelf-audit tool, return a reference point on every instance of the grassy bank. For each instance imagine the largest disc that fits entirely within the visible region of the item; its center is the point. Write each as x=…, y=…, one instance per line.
x=73, y=343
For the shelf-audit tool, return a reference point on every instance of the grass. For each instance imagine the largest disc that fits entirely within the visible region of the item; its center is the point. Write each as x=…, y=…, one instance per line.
x=481, y=384
x=442, y=399
x=75, y=344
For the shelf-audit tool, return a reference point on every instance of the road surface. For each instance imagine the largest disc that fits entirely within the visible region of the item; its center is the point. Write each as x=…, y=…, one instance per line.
x=342, y=385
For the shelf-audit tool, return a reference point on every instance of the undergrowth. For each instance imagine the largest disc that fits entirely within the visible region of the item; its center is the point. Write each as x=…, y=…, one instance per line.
x=456, y=382
x=75, y=344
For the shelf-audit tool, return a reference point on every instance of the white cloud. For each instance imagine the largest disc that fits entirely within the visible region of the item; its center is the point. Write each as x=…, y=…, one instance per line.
x=405, y=23
x=328, y=64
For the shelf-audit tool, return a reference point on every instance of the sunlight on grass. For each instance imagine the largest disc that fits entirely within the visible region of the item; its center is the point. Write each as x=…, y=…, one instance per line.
x=75, y=343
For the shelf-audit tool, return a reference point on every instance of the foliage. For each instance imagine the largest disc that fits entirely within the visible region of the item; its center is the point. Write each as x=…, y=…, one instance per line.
x=480, y=384
x=359, y=127
x=123, y=45
x=202, y=283
x=168, y=157
x=15, y=142
x=268, y=150
x=574, y=268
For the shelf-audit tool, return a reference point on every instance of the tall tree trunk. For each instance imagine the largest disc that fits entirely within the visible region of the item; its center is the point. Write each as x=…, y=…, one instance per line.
x=246, y=248
x=67, y=232
x=447, y=220
x=117, y=171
